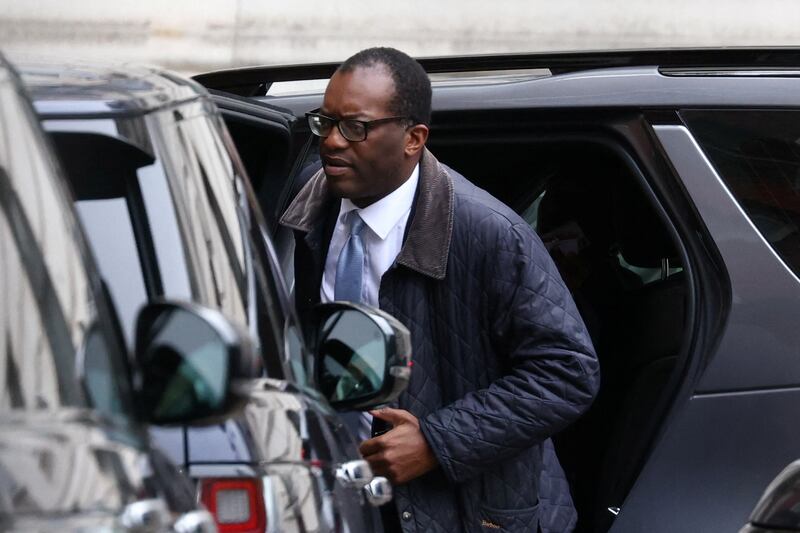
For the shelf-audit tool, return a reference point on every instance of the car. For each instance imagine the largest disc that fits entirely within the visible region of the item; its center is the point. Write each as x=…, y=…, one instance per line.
x=665, y=185
x=169, y=213
x=779, y=506
x=74, y=448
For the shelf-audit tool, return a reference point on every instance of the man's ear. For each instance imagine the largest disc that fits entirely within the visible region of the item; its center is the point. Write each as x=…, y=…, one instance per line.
x=416, y=137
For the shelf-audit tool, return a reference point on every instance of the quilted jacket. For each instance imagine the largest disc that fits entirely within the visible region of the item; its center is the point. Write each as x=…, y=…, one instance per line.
x=502, y=359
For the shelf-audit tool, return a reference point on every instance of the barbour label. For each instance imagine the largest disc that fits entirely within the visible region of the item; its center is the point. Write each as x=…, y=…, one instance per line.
x=490, y=525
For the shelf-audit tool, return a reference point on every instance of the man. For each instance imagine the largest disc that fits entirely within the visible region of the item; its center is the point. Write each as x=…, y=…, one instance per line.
x=502, y=360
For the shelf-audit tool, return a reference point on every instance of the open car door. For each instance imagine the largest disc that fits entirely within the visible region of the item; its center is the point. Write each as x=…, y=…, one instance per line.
x=271, y=142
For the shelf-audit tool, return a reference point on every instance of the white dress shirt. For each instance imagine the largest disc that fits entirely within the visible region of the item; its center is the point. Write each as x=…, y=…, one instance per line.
x=385, y=224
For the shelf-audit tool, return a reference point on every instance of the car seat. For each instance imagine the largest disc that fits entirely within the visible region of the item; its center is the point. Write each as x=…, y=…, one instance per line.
x=648, y=342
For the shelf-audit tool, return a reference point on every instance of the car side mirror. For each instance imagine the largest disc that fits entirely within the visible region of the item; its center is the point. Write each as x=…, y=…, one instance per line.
x=363, y=355
x=189, y=361
x=777, y=509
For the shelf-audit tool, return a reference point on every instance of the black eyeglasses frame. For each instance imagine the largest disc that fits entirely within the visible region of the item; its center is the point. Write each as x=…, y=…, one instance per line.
x=366, y=124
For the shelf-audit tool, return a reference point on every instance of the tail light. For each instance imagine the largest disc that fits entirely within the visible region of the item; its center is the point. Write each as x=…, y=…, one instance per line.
x=236, y=503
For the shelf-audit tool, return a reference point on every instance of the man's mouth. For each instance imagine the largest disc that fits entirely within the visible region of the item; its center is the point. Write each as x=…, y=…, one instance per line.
x=335, y=166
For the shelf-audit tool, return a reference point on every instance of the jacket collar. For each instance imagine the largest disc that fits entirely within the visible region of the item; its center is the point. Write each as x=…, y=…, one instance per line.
x=427, y=244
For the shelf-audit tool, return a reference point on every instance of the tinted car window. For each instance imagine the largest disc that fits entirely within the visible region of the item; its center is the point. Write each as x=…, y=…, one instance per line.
x=117, y=192
x=214, y=188
x=168, y=214
x=49, y=322
x=566, y=236
x=108, y=222
x=757, y=154
x=212, y=236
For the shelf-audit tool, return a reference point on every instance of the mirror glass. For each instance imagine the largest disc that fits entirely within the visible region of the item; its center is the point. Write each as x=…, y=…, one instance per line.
x=352, y=356
x=185, y=366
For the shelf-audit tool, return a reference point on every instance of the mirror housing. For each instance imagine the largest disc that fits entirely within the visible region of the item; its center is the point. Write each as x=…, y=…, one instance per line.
x=777, y=509
x=189, y=360
x=362, y=355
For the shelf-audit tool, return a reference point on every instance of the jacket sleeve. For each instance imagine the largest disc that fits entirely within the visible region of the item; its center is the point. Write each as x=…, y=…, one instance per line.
x=553, y=373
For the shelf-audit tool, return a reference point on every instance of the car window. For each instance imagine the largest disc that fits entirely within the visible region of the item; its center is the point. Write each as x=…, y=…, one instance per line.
x=218, y=172
x=213, y=247
x=108, y=226
x=50, y=328
x=223, y=239
x=162, y=216
x=108, y=192
x=568, y=237
x=159, y=212
x=757, y=154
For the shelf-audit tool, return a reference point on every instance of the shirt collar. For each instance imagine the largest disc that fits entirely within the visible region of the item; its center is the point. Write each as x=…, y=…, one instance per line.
x=384, y=214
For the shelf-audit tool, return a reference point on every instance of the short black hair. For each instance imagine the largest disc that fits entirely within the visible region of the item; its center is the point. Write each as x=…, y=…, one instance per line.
x=412, y=86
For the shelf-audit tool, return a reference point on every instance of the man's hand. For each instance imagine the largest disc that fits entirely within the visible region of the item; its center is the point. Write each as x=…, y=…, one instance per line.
x=402, y=453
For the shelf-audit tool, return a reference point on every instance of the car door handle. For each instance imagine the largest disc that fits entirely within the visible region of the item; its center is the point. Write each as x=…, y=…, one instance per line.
x=378, y=491
x=354, y=473
x=146, y=516
x=195, y=522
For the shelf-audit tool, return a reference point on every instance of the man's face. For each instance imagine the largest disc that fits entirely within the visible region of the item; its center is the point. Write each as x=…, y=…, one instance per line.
x=363, y=171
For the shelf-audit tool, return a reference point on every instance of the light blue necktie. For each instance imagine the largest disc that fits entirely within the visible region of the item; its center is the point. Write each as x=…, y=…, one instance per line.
x=350, y=267
x=348, y=285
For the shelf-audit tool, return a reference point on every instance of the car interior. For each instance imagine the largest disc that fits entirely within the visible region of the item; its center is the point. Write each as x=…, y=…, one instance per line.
x=623, y=269
x=263, y=151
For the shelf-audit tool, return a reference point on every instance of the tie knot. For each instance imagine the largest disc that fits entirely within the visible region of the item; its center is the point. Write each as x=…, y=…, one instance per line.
x=356, y=223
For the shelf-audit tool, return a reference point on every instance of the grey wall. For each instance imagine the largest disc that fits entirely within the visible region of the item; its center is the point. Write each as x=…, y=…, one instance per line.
x=197, y=35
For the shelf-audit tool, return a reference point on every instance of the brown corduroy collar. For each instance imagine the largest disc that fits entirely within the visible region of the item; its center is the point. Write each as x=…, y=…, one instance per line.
x=427, y=245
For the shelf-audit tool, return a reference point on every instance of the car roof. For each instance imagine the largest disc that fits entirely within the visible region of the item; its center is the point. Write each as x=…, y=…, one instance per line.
x=255, y=81
x=639, y=78
x=78, y=90
x=633, y=87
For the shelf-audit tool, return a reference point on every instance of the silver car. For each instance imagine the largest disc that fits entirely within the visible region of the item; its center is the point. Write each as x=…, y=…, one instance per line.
x=74, y=402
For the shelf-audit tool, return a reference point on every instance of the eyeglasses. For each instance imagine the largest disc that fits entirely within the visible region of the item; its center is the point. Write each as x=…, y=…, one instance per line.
x=351, y=129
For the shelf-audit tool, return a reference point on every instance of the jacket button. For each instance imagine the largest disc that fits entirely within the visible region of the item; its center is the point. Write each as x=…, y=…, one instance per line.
x=406, y=516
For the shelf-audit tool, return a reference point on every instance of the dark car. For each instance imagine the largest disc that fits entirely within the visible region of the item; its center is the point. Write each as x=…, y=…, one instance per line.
x=74, y=449
x=169, y=213
x=666, y=185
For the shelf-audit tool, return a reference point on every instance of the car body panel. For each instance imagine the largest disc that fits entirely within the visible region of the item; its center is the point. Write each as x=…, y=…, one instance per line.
x=63, y=463
x=258, y=81
x=623, y=87
x=712, y=462
x=295, y=444
x=778, y=508
x=95, y=91
x=761, y=345
x=643, y=87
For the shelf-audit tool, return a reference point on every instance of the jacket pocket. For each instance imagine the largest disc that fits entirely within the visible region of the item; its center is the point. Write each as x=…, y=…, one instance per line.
x=512, y=484
x=509, y=520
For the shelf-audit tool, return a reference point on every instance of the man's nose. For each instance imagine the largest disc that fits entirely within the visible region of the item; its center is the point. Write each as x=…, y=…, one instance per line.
x=335, y=140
